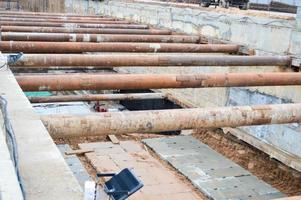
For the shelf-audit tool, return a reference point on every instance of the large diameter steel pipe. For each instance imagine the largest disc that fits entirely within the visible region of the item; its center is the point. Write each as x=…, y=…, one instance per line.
x=83, y=30
x=66, y=37
x=79, y=47
x=60, y=126
x=46, y=14
x=46, y=20
x=104, y=24
x=106, y=61
x=96, y=97
x=153, y=81
x=32, y=17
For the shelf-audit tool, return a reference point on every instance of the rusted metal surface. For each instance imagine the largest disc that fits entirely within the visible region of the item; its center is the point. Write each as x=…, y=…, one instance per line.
x=60, y=126
x=153, y=81
x=103, y=24
x=46, y=20
x=55, y=17
x=66, y=37
x=83, y=30
x=106, y=61
x=46, y=14
x=79, y=47
x=132, y=26
x=96, y=97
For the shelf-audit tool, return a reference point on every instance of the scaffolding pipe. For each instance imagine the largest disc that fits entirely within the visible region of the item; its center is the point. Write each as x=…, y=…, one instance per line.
x=103, y=24
x=153, y=81
x=64, y=126
x=109, y=61
x=96, y=97
x=83, y=30
x=66, y=37
x=80, y=47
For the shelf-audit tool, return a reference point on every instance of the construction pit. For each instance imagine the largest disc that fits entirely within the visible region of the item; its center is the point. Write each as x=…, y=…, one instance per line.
x=198, y=103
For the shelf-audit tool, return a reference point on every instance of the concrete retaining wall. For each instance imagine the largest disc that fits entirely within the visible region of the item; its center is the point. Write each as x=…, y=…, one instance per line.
x=266, y=35
x=83, y=7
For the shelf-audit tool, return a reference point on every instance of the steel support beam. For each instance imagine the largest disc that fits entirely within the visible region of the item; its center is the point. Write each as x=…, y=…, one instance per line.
x=57, y=17
x=61, y=126
x=103, y=24
x=79, y=47
x=66, y=37
x=83, y=30
x=96, y=97
x=47, y=20
x=107, y=61
x=153, y=81
x=46, y=14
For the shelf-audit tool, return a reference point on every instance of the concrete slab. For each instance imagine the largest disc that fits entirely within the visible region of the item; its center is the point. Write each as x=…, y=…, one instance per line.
x=45, y=173
x=216, y=176
x=159, y=182
x=9, y=185
x=75, y=165
x=72, y=108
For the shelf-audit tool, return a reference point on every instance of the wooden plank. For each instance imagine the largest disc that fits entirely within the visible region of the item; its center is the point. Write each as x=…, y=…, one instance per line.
x=113, y=139
x=78, y=152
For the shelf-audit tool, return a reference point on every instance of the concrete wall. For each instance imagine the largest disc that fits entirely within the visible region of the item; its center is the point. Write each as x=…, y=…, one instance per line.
x=57, y=6
x=280, y=36
x=42, y=5
x=82, y=7
x=4, y=5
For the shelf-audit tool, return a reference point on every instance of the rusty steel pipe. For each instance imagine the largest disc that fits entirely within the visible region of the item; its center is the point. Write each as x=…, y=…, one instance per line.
x=61, y=126
x=153, y=81
x=79, y=47
x=47, y=20
x=96, y=97
x=83, y=30
x=46, y=14
x=32, y=17
x=107, y=61
x=112, y=25
x=104, y=24
x=66, y=37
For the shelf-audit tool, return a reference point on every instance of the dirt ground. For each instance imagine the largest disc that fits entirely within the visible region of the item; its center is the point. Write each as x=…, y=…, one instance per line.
x=258, y=163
